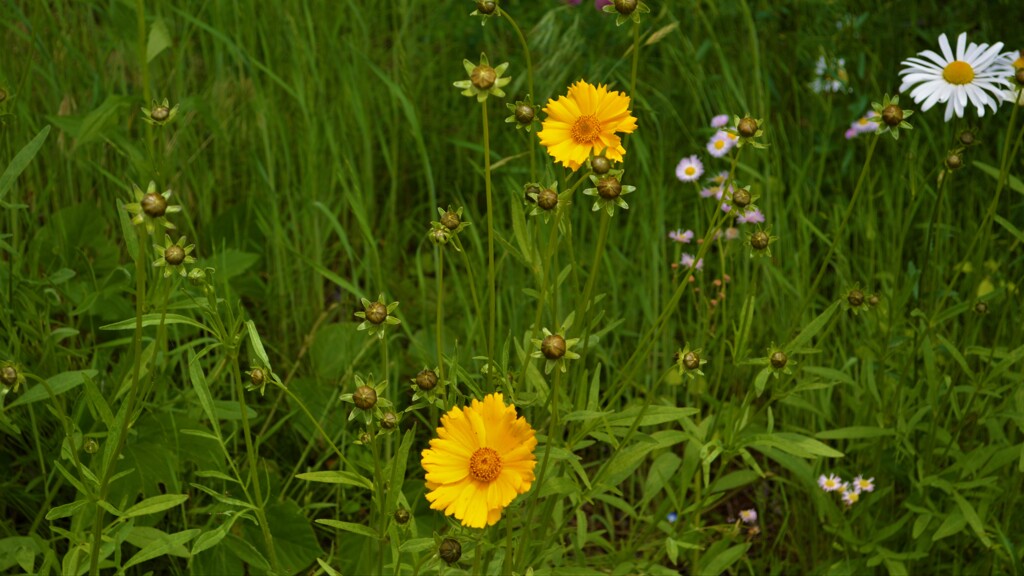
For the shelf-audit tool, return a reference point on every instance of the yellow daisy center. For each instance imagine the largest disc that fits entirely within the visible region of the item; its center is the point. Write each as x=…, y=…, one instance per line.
x=586, y=129
x=863, y=121
x=958, y=72
x=1019, y=62
x=719, y=144
x=485, y=465
x=690, y=170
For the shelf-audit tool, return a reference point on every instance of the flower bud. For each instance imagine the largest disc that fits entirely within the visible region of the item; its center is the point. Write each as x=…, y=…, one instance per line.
x=967, y=137
x=483, y=77
x=160, y=113
x=257, y=377
x=625, y=7
x=450, y=550
x=609, y=187
x=600, y=165
x=954, y=161
x=426, y=380
x=9, y=375
x=759, y=240
x=873, y=300
x=855, y=298
x=365, y=397
x=3, y=95
x=553, y=347
x=365, y=438
x=402, y=516
x=892, y=115
x=174, y=255
x=376, y=312
x=389, y=421
x=197, y=276
x=91, y=446
x=747, y=127
x=486, y=6
x=531, y=189
x=981, y=308
x=525, y=113
x=450, y=220
x=691, y=361
x=741, y=198
x=779, y=359
x=439, y=236
x=547, y=199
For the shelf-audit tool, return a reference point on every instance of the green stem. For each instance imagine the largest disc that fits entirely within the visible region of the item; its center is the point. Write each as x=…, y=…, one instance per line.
x=440, y=313
x=595, y=267
x=491, y=306
x=529, y=84
x=379, y=496
x=931, y=230
x=1004, y=172
x=636, y=62
x=838, y=237
x=552, y=424
x=254, y=472
x=111, y=463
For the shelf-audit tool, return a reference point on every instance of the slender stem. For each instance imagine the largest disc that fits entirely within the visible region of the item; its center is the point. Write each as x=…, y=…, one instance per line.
x=379, y=497
x=636, y=63
x=1004, y=171
x=838, y=237
x=931, y=230
x=529, y=85
x=111, y=463
x=491, y=306
x=254, y=472
x=440, y=313
x=595, y=267
x=552, y=425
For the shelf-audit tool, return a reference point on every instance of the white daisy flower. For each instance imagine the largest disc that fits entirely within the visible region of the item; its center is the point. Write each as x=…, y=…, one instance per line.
x=748, y=516
x=720, y=144
x=688, y=260
x=850, y=497
x=861, y=484
x=720, y=121
x=689, y=169
x=975, y=73
x=830, y=483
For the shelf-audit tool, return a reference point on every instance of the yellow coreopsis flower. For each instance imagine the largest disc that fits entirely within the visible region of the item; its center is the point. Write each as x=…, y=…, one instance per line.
x=584, y=121
x=481, y=460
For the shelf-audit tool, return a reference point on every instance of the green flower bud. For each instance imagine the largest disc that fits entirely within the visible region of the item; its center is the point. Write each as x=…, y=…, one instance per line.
x=365, y=397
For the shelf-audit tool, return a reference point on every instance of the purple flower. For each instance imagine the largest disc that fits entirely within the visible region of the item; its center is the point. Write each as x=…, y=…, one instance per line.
x=720, y=121
x=681, y=236
x=753, y=216
x=687, y=260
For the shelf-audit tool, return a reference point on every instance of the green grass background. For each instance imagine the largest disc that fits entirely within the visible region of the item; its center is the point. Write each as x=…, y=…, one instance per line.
x=315, y=141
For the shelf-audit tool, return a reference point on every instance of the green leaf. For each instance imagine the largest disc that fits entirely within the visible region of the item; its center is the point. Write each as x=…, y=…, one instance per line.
x=811, y=330
x=972, y=518
x=256, y=343
x=159, y=40
x=155, y=504
x=198, y=377
x=398, y=465
x=58, y=384
x=794, y=444
x=294, y=539
x=65, y=510
x=1015, y=183
x=662, y=470
x=94, y=124
x=142, y=536
x=349, y=527
x=161, y=547
x=855, y=432
x=718, y=563
x=21, y=161
x=154, y=319
x=952, y=524
x=331, y=571
x=336, y=477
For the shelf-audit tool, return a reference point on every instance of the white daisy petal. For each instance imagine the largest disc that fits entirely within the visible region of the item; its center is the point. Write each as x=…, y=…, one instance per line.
x=947, y=54
x=961, y=45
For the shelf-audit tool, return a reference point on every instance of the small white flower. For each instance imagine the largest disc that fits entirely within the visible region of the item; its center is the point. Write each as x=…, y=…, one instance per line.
x=689, y=169
x=720, y=144
x=681, y=236
x=976, y=73
x=829, y=76
x=753, y=216
x=851, y=497
x=830, y=483
x=861, y=484
x=720, y=121
x=748, y=516
x=687, y=260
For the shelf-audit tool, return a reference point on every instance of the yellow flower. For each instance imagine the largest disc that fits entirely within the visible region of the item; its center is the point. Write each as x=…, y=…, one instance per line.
x=482, y=459
x=586, y=120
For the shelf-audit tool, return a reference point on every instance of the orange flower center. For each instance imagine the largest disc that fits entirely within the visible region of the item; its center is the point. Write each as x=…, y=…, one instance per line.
x=485, y=465
x=690, y=170
x=958, y=72
x=586, y=129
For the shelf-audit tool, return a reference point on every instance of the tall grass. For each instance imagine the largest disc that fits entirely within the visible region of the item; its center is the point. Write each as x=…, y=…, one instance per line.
x=312, y=148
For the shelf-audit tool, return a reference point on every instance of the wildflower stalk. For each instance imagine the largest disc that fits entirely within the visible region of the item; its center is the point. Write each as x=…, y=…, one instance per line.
x=838, y=237
x=529, y=85
x=140, y=306
x=595, y=267
x=1004, y=172
x=254, y=472
x=940, y=195
x=472, y=282
x=378, y=495
x=491, y=312
x=542, y=473
x=636, y=62
x=440, y=312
